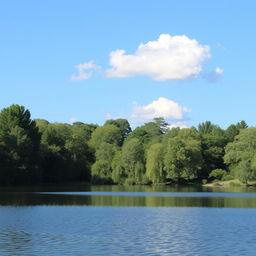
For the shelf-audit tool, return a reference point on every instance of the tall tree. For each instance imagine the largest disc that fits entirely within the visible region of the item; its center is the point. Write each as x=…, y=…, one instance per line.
x=133, y=161
x=183, y=158
x=155, y=164
x=108, y=134
x=241, y=155
x=19, y=143
x=102, y=169
x=122, y=124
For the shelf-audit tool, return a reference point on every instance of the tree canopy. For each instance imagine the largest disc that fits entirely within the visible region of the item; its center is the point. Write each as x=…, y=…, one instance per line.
x=37, y=151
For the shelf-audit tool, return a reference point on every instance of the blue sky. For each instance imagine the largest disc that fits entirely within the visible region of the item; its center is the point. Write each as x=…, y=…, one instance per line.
x=43, y=42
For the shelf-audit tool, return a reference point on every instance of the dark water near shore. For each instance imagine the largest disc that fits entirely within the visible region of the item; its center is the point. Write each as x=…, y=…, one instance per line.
x=135, y=220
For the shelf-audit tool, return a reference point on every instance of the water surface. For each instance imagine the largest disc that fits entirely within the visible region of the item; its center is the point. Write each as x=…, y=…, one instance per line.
x=136, y=220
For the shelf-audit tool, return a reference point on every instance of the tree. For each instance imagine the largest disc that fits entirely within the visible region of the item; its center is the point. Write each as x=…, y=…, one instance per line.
x=155, y=164
x=213, y=140
x=108, y=134
x=83, y=130
x=102, y=169
x=162, y=124
x=41, y=125
x=183, y=159
x=240, y=155
x=133, y=161
x=122, y=124
x=19, y=145
x=118, y=174
x=233, y=130
x=206, y=127
x=149, y=133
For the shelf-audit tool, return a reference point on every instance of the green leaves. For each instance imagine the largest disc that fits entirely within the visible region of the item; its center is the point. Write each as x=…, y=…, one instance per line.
x=241, y=154
x=183, y=158
x=19, y=140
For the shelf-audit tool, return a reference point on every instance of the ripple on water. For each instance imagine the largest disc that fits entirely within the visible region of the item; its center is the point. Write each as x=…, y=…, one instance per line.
x=127, y=231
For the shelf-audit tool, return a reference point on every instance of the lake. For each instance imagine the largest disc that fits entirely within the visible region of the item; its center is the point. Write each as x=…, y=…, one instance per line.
x=127, y=220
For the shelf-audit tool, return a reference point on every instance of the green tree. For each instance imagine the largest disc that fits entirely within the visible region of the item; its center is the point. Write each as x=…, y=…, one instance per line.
x=149, y=133
x=233, y=130
x=240, y=155
x=102, y=169
x=183, y=159
x=213, y=140
x=206, y=127
x=108, y=134
x=65, y=154
x=118, y=174
x=122, y=124
x=19, y=145
x=133, y=161
x=83, y=130
x=41, y=125
x=155, y=164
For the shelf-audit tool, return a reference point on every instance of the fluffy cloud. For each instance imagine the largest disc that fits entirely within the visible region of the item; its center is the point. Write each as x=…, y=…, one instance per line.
x=161, y=107
x=83, y=73
x=167, y=58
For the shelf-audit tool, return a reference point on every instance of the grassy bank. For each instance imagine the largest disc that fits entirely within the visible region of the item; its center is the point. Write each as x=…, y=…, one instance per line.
x=229, y=183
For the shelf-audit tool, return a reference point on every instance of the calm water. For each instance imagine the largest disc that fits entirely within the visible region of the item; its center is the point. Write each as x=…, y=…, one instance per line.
x=137, y=220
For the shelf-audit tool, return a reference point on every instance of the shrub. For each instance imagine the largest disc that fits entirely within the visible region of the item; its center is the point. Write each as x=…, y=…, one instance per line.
x=217, y=174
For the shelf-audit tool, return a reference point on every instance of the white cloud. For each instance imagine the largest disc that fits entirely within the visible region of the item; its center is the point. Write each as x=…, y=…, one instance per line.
x=167, y=58
x=219, y=70
x=161, y=107
x=71, y=120
x=181, y=125
x=82, y=68
x=214, y=76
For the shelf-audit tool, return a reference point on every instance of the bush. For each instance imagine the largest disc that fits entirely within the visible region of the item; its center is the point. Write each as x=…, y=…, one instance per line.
x=227, y=177
x=217, y=174
x=204, y=181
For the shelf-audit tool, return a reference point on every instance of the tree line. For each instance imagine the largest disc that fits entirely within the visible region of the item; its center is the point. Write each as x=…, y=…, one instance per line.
x=37, y=151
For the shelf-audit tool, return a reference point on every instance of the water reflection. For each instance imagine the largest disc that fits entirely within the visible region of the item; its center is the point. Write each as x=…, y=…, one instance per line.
x=149, y=199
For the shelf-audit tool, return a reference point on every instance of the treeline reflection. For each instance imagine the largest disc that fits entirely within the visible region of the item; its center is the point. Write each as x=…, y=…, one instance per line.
x=34, y=199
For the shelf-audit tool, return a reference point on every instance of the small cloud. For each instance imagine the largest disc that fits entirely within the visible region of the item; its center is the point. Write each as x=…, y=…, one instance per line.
x=71, y=120
x=83, y=74
x=219, y=70
x=214, y=76
x=181, y=125
x=167, y=58
x=162, y=107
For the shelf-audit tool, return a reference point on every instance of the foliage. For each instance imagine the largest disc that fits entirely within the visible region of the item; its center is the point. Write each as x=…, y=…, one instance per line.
x=34, y=151
x=101, y=169
x=132, y=161
x=155, y=164
x=123, y=126
x=106, y=134
x=19, y=146
x=213, y=143
x=241, y=155
x=217, y=174
x=183, y=159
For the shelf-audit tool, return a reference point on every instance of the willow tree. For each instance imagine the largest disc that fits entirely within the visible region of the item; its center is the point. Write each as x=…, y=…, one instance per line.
x=155, y=164
x=132, y=161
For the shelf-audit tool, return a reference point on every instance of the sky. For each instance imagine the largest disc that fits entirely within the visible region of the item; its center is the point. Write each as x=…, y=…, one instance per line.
x=89, y=61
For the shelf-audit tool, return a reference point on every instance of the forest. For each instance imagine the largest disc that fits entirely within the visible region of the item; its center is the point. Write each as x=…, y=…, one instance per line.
x=37, y=151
